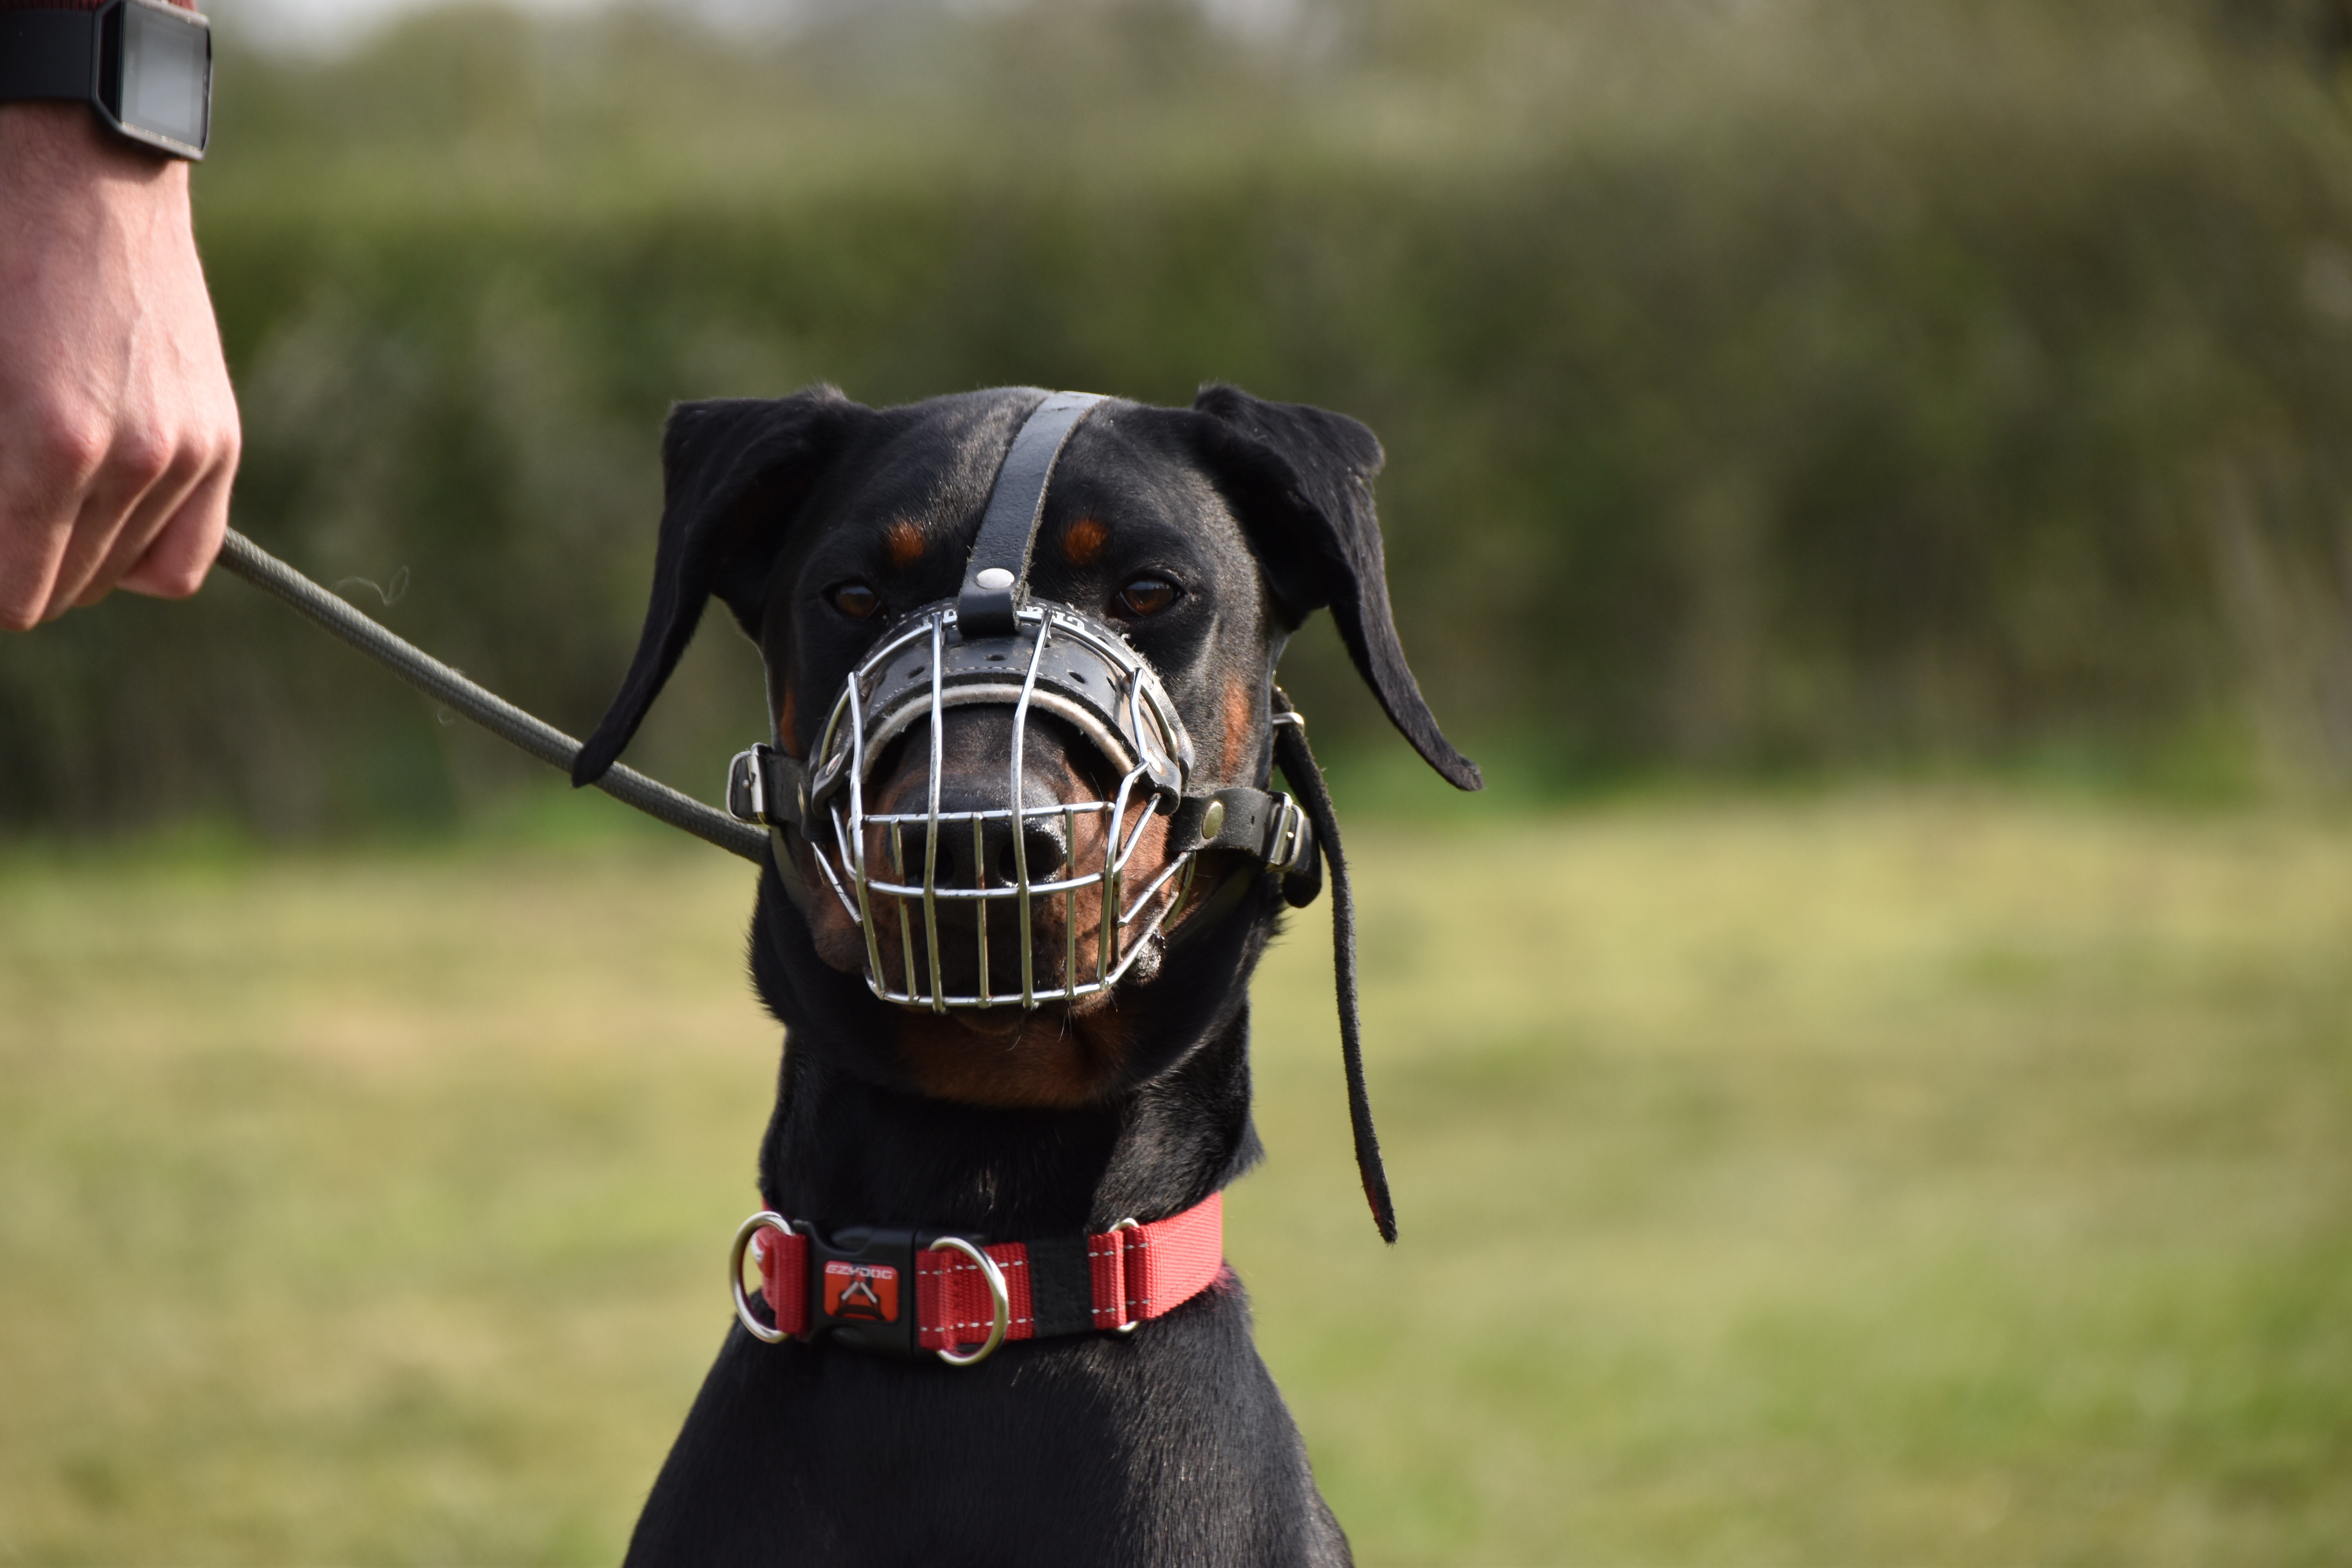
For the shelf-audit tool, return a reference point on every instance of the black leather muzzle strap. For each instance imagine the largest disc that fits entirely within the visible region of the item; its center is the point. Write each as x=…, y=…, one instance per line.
x=1008, y=529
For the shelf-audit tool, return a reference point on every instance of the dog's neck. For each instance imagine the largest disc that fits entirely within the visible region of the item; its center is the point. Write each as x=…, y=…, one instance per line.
x=841, y=1150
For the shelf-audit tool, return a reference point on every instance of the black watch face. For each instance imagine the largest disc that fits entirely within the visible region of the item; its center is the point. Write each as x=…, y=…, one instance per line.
x=166, y=82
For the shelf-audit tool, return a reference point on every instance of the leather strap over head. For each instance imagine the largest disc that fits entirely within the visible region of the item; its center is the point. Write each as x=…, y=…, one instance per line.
x=996, y=579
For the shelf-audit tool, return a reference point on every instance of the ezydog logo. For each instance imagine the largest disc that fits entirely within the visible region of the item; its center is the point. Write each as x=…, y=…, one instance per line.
x=866, y=1290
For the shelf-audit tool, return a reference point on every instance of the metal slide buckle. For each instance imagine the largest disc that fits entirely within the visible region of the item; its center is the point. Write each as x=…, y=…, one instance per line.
x=998, y=1296
x=1283, y=842
x=766, y=1219
x=746, y=800
x=1129, y=1327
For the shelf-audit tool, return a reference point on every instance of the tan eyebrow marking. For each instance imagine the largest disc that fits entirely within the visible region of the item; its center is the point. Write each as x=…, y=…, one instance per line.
x=906, y=544
x=1084, y=541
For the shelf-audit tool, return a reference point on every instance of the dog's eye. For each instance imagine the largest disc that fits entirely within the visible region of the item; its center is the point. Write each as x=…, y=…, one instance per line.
x=854, y=599
x=1144, y=596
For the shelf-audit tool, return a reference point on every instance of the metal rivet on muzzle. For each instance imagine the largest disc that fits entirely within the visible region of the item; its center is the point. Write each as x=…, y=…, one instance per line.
x=1213, y=821
x=996, y=579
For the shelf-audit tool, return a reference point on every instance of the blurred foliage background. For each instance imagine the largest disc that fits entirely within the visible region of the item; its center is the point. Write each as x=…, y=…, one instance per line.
x=1770, y=386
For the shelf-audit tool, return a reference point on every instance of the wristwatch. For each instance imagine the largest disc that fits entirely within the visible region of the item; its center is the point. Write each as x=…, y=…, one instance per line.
x=145, y=67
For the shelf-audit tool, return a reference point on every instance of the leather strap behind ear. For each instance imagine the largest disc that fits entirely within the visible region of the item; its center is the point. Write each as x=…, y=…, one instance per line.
x=996, y=579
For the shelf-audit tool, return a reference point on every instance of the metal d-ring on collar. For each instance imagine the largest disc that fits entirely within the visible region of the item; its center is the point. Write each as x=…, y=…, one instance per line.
x=766, y=1219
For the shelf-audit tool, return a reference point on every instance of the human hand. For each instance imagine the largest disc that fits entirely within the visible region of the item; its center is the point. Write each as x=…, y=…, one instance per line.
x=118, y=431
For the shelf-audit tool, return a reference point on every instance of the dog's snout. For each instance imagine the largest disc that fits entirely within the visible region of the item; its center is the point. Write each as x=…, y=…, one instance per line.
x=978, y=847
x=997, y=864
x=982, y=852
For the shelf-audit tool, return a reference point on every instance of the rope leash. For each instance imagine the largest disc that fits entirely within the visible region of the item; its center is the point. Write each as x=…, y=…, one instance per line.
x=243, y=558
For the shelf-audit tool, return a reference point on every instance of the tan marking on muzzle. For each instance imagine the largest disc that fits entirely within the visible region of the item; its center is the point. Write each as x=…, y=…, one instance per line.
x=1240, y=716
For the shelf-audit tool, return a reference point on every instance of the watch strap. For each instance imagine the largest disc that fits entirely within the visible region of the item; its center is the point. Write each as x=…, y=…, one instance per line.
x=49, y=53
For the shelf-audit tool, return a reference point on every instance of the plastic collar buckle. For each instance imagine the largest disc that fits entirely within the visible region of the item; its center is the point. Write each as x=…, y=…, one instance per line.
x=861, y=1284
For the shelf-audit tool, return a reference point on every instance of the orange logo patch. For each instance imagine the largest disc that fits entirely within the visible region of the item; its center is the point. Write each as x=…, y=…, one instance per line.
x=868, y=1291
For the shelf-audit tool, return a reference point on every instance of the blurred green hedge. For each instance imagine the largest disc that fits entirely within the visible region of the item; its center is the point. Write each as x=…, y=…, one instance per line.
x=1765, y=386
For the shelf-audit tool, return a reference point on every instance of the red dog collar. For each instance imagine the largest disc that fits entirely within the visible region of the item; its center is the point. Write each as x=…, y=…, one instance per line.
x=852, y=1285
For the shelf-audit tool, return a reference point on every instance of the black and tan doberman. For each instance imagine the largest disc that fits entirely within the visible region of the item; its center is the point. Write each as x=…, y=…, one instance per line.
x=1205, y=535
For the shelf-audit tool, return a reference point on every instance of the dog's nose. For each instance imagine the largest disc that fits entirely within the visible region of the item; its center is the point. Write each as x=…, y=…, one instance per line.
x=976, y=829
x=980, y=852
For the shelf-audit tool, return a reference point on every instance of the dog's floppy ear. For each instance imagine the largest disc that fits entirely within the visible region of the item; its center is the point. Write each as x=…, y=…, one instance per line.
x=734, y=471
x=1301, y=481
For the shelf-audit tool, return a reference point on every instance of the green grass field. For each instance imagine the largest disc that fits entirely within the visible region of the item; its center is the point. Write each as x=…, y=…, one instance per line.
x=1865, y=1179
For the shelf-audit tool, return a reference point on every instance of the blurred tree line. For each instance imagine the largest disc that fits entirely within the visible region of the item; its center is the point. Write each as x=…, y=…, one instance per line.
x=1768, y=384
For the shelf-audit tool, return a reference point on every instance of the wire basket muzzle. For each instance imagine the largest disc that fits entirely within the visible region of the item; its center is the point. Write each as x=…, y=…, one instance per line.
x=990, y=904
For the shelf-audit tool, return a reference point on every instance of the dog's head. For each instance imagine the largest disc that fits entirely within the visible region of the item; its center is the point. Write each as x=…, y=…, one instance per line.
x=1204, y=536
